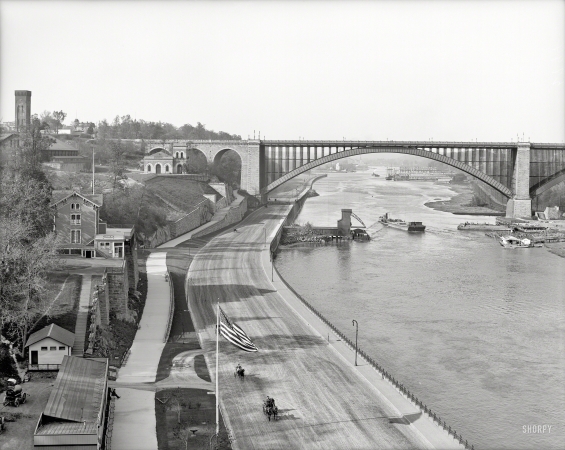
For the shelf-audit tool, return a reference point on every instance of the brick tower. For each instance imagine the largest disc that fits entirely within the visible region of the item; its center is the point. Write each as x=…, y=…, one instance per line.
x=23, y=109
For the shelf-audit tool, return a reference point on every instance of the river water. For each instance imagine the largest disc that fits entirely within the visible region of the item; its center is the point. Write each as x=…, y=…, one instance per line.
x=474, y=330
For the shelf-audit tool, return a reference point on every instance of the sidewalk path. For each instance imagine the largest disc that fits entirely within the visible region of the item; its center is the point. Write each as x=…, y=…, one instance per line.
x=134, y=416
x=218, y=217
x=82, y=316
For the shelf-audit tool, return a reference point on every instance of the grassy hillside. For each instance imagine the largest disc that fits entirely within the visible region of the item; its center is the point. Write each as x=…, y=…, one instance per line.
x=184, y=194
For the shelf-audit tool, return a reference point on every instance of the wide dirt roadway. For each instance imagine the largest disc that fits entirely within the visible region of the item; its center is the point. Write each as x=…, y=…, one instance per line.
x=323, y=402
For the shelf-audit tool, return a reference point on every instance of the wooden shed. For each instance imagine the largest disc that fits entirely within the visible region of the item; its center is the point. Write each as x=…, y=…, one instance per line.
x=76, y=410
x=48, y=346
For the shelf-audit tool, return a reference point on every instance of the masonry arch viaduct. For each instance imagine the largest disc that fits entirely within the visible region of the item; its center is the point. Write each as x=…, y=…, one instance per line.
x=519, y=170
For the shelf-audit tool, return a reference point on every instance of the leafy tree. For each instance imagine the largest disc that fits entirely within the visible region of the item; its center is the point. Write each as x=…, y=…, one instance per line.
x=117, y=160
x=90, y=128
x=138, y=206
x=59, y=117
x=228, y=168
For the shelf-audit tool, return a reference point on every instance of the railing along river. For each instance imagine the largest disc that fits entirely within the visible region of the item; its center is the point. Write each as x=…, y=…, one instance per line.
x=385, y=374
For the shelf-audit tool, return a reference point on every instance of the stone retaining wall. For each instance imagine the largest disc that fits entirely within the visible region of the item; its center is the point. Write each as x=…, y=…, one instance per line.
x=234, y=215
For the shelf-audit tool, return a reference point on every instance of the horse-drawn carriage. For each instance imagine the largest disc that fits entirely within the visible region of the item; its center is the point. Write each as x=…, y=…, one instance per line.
x=14, y=395
x=270, y=409
x=239, y=373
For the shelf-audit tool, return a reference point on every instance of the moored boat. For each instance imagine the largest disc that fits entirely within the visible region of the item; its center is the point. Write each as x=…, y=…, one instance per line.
x=413, y=227
x=470, y=226
x=514, y=242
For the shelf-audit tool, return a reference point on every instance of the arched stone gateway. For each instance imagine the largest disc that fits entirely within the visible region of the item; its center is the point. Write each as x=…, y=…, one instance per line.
x=179, y=168
x=157, y=169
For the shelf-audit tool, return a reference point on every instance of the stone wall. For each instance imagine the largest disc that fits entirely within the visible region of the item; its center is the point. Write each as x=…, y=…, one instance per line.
x=197, y=217
x=118, y=287
x=101, y=302
x=234, y=215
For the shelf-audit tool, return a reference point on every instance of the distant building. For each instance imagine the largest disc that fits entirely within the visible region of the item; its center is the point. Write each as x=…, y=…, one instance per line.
x=48, y=346
x=75, y=414
x=9, y=143
x=161, y=161
x=68, y=163
x=59, y=148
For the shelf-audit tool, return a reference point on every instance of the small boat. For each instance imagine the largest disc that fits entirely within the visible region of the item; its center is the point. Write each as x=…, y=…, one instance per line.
x=514, y=242
x=413, y=227
x=470, y=226
x=375, y=174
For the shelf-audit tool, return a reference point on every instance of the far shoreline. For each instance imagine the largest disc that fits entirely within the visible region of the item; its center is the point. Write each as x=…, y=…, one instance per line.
x=460, y=204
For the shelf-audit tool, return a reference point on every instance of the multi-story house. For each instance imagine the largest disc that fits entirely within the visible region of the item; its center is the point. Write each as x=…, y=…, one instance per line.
x=77, y=221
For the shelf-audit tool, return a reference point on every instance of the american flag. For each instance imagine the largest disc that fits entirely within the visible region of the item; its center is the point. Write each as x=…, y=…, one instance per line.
x=235, y=334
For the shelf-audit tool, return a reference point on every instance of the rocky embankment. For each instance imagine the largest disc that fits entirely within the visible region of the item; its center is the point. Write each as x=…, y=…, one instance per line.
x=463, y=203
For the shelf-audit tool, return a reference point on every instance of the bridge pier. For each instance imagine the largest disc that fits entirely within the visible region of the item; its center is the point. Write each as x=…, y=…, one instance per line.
x=520, y=205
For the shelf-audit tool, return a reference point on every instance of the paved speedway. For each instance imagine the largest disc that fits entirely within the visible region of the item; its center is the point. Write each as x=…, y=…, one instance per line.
x=324, y=403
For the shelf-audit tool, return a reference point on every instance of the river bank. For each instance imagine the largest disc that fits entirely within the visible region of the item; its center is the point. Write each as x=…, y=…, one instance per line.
x=557, y=248
x=462, y=203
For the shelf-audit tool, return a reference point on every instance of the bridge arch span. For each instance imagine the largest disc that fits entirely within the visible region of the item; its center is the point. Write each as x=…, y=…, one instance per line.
x=490, y=181
x=540, y=188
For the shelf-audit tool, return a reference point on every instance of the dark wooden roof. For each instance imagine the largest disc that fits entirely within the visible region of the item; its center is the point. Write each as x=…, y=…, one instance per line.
x=79, y=390
x=59, y=196
x=52, y=331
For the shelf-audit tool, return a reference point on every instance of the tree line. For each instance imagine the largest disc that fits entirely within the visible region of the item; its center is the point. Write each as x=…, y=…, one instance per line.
x=28, y=244
x=125, y=127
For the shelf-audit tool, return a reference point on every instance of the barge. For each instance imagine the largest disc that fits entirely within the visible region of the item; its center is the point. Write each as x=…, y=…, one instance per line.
x=471, y=226
x=412, y=227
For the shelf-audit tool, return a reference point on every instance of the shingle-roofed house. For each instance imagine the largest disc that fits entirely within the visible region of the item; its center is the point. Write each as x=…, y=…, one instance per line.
x=48, y=346
x=76, y=409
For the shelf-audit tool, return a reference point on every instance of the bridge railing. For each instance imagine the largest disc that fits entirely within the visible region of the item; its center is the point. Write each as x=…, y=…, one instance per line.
x=385, y=374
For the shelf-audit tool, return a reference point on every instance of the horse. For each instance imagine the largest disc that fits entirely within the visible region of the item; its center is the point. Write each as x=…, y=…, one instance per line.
x=240, y=373
x=270, y=410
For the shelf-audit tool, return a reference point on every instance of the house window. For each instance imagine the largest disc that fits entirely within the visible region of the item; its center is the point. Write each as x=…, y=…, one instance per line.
x=148, y=167
x=166, y=167
x=75, y=219
x=61, y=347
x=43, y=349
x=75, y=236
x=75, y=206
x=52, y=348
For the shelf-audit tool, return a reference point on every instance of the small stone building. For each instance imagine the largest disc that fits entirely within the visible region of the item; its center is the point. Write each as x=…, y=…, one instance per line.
x=48, y=347
x=161, y=161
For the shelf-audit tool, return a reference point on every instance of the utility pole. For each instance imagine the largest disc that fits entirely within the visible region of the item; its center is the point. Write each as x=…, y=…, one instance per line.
x=354, y=323
x=92, y=146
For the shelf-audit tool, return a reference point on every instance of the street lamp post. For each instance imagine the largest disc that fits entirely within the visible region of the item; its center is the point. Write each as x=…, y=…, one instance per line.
x=354, y=322
x=272, y=265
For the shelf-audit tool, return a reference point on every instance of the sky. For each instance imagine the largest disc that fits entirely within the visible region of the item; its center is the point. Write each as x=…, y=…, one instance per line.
x=486, y=70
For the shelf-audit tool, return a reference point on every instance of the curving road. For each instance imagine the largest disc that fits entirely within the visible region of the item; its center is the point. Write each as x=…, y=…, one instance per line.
x=323, y=402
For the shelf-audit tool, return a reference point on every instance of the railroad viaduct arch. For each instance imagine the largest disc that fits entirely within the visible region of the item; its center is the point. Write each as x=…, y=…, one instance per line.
x=519, y=170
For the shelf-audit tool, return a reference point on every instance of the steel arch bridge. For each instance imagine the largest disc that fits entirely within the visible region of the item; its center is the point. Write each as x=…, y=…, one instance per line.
x=492, y=163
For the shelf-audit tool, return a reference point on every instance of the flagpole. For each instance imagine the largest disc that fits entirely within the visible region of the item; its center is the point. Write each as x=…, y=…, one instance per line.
x=217, y=359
